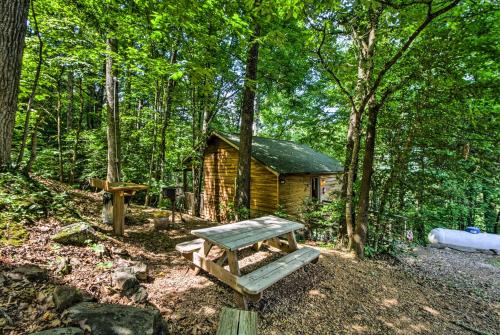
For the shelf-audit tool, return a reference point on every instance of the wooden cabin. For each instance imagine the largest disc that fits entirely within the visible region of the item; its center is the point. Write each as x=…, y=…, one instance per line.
x=284, y=175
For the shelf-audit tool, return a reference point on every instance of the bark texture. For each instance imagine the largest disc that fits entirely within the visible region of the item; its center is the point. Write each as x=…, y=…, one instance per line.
x=13, y=15
x=113, y=119
x=33, y=89
x=246, y=125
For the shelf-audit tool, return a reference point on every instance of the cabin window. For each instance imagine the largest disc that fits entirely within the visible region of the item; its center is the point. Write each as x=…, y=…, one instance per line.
x=315, y=195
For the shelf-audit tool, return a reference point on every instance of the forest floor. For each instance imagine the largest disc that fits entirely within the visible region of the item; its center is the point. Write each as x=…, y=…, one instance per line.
x=424, y=291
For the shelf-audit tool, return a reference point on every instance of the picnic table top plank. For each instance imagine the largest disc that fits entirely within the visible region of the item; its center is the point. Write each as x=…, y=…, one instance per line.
x=262, y=278
x=116, y=186
x=242, y=234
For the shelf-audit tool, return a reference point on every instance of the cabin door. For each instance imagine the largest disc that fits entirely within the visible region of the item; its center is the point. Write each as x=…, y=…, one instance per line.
x=315, y=188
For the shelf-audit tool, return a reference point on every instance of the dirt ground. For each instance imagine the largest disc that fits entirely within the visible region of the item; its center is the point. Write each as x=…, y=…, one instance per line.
x=428, y=291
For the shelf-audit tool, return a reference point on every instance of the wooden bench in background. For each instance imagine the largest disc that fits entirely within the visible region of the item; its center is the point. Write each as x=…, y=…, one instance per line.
x=237, y=322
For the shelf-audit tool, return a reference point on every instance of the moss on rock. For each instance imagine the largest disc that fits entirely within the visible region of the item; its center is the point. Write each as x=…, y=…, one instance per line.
x=77, y=234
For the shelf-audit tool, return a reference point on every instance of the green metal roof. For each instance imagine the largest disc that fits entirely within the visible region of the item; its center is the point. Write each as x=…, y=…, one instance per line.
x=287, y=157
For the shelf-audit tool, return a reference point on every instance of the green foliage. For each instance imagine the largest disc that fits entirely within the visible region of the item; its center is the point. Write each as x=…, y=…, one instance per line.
x=436, y=156
x=104, y=265
x=24, y=201
x=495, y=261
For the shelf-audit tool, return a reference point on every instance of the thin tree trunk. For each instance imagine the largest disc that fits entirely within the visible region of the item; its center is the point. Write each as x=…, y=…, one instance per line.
x=147, y=199
x=13, y=14
x=33, y=89
x=242, y=200
x=166, y=118
x=59, y=131
x=350, y=175
x=29, y=166
x=77, y=135
x=361, y=228
x=113, y=115
x=69, y=113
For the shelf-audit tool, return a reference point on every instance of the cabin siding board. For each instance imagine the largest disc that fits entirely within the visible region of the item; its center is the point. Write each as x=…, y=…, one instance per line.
x=220, y=164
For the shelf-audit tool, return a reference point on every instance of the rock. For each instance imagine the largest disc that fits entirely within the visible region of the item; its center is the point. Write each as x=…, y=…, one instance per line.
x=161, y=223
x=141, y=296
x=60, y=331
x=76, y=233
x=119, y=252
x=63, y=266
x=139, y=269
x=66, y=296
x=126, y=282
x=111, y=319
x=30, y=272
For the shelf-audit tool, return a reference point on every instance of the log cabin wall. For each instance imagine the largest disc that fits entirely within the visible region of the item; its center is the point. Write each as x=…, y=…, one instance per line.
x=297, y=188
x=220, y=166
x=293, y=192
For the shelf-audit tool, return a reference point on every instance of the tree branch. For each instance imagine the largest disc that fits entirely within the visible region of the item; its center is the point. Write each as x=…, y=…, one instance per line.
x=331, y=72
x=387, y=66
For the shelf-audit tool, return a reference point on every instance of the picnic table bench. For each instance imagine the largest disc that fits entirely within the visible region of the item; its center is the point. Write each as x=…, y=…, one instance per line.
x=232, y=237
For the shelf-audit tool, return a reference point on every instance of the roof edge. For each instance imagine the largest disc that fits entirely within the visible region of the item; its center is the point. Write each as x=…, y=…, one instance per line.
x=222, y=137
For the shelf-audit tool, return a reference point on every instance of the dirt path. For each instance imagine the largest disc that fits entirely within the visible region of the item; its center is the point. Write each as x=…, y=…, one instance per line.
x=338, y=295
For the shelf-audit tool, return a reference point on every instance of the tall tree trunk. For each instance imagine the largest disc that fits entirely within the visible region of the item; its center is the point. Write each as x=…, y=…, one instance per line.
x=13, y=14
x=166, y=118
x=361, y=228
x=76, y=144
x=69, y=113
x=33, y=89
x=34, y=140
x=59, y=131
x=350, y=174
x=113, y=115
x=147, y=199
x=242, y=200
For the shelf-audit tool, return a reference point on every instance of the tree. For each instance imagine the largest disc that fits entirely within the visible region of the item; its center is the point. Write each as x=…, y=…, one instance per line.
x=113, y=112
x=13, y=15
x=33, y=89
x=242, y=201
x=362, y=25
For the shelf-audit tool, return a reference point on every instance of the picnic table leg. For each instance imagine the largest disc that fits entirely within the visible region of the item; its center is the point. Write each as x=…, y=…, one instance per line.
x=118, y=213
x=292, y=242
x=257, y=246
x=204, y=251
x=232, y=259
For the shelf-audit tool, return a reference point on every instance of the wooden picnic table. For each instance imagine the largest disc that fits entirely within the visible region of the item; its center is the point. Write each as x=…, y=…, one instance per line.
x=271, y=230
x=119, y=190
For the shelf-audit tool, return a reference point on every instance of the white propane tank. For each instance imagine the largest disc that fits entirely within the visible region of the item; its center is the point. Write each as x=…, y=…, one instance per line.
x=462, y=239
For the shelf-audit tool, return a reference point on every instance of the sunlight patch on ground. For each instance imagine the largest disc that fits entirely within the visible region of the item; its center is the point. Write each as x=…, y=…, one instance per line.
x=337, y=253
x=359, y=329
x=430, y=310
x=390, y=302
x=420, y=328
x=208, y=311
x=317, y=293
